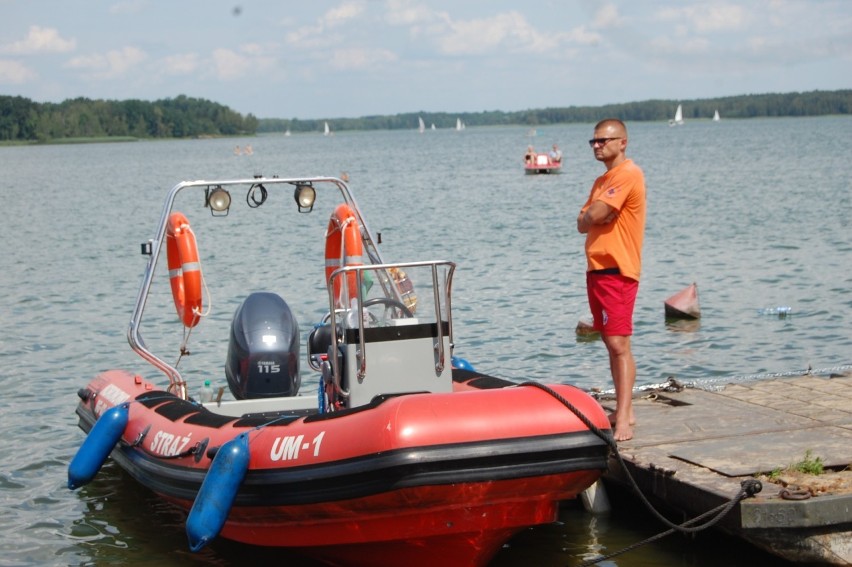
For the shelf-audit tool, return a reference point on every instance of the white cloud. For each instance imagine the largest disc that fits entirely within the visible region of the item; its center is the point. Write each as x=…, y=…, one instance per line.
x=249, y=60
x=114, y=63
x=40, y=40
x=510, y=29
x=13, y=72
x=707, y=17
x=253, y=49
x=682, y=45
x=407, y=13
x=348, y=59
x=607, y=16
x=582, y=36
x=506, y=32
x=341, y=14
x=308, y=36
x=181, y=64
x=229, y=64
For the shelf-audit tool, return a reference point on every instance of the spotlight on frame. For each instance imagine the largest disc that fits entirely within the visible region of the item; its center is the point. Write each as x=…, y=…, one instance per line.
x=219, y=200
x=305, y=196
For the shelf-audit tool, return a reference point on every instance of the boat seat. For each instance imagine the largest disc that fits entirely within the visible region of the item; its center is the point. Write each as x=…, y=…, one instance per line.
x=319, y=340
x=319, y=345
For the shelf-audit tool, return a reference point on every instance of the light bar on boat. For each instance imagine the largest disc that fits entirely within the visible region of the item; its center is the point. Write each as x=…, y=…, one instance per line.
x=219, y=200
x=305, y=196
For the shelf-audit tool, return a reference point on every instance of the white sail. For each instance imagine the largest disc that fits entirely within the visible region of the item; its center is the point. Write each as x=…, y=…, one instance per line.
x=678, y=117
x=327, y=130
x=433, y=125
x=422, y=127
x=287, y=133
x=459, y=124
x=716, y=116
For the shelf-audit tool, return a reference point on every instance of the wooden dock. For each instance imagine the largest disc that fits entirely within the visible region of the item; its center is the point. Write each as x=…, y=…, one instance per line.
x=693, y=447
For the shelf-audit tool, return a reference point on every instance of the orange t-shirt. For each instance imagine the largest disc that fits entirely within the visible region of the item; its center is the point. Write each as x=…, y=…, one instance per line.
x=619, y=243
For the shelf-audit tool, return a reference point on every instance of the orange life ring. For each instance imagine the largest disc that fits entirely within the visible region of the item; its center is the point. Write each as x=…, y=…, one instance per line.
x=343, y=248
x=184, y=269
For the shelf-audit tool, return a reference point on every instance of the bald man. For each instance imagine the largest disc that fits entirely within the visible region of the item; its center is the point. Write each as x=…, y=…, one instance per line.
x=613, y=220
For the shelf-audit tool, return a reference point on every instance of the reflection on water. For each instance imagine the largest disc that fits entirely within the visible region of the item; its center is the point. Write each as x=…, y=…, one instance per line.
x=579, y=537
x=683, y=325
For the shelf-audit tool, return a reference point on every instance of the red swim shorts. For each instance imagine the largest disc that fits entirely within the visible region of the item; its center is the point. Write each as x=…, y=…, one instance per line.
x=611, y=299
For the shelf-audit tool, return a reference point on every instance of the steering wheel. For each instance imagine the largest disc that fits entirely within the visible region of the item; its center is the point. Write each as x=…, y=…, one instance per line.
x=389, y=303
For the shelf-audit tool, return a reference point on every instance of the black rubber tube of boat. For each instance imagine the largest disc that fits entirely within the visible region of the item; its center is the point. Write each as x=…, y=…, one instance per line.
x=749, y=487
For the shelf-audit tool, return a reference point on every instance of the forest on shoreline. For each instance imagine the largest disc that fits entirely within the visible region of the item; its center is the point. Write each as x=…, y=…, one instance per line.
x=814, y=103
x=25, y=121
x=79, y=119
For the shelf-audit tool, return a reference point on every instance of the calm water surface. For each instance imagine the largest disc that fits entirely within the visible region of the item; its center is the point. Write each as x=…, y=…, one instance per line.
x=756, y=212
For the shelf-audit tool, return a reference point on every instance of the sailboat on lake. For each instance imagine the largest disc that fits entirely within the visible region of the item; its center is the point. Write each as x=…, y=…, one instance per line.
x=422, y=127
x=678, y=117
x=716, y=116
x=327, y=131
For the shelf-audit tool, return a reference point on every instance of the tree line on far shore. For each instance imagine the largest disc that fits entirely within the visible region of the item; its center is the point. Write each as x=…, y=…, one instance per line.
x=814, y=103
x=22, y=120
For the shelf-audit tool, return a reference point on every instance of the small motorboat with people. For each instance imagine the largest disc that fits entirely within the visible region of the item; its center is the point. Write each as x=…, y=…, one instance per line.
x=547, y=162
x=400, y=453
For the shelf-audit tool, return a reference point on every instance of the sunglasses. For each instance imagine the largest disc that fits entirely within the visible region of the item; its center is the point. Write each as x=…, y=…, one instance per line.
x=600, y=141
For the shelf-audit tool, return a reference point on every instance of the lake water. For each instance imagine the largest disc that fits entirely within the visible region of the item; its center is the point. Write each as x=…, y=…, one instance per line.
x=757, y=212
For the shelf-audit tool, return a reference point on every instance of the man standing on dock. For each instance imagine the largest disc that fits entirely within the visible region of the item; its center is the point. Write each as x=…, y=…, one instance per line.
x=613, y=220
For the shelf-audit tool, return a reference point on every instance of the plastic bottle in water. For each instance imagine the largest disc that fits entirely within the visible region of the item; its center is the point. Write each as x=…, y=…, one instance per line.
x=780, y=311
x=206, y=394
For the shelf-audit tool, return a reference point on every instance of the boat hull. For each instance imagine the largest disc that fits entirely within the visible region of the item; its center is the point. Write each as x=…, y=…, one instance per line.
x=542, y=169
x=419, y=476
x=464, y=523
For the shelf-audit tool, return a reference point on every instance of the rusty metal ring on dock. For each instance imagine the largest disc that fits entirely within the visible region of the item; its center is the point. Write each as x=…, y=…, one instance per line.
x=798, y=494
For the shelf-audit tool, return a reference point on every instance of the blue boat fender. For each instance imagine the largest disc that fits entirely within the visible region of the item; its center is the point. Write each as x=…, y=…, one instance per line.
x=461, y=363
x=94, y=451
x=218, y=491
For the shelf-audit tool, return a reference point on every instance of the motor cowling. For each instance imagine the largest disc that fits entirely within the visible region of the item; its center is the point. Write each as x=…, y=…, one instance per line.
x=263, y=350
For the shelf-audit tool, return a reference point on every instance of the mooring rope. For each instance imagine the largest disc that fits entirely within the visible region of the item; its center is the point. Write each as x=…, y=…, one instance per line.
x=673, y=384
x=749, y=487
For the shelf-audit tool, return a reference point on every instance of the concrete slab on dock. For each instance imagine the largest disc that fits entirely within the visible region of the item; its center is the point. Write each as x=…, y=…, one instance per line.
x=692, y=448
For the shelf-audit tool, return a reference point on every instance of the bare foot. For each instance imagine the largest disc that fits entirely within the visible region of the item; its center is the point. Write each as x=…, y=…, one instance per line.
x=623, y=432
x=612, y=418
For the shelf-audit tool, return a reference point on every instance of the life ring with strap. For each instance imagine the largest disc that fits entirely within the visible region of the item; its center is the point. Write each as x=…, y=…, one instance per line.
x=343, y=248
x=184, y=269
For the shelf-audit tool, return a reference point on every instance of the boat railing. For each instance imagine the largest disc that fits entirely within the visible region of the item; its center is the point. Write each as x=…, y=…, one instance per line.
x=440, y=307
x=153, y=248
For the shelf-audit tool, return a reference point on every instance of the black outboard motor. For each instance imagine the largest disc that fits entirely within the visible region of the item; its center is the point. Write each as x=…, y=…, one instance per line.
x=263, y=353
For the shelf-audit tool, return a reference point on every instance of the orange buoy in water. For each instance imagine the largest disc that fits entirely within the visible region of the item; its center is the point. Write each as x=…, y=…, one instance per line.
x=683, y=304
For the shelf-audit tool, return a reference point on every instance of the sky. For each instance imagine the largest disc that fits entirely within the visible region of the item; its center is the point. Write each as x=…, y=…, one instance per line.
x=350, y=58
